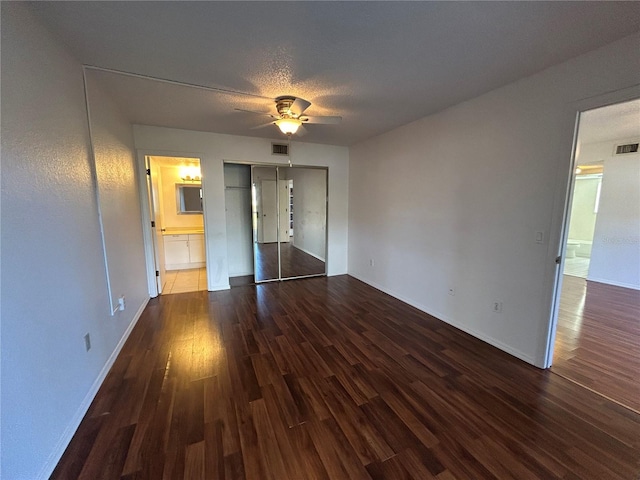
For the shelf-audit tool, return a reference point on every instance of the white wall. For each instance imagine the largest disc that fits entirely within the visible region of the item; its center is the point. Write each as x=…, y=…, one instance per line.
x=454, y=200
x=119, y=200
x=615, y=254
x=583, y=214
x=53, y=274
x=213, y=149
x=168, y=179
x=237, y=180
x=309, y=209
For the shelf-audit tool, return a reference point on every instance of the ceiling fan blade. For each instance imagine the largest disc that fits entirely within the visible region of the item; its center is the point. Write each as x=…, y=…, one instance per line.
x=262, y=126
x=299, y=106
x=321, y=120
x=257, y=113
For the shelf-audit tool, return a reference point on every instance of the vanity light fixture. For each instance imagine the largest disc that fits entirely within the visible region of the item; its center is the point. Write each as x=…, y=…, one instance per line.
x=189, y=178
x=190, y=173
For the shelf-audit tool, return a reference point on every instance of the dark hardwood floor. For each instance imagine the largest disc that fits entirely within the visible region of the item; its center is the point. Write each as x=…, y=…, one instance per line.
x=329, y=378
x=295, y=262
x=598, y=339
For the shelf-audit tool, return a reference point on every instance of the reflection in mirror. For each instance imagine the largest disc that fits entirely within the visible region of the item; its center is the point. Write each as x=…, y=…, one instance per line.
x=304, y=194
x=189, y=198
x=264, y=193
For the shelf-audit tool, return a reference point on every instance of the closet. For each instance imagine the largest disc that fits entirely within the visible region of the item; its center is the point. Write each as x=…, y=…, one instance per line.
x=279, y=215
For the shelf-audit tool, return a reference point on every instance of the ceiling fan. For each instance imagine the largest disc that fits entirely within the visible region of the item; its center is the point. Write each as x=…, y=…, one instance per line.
x=290, y=118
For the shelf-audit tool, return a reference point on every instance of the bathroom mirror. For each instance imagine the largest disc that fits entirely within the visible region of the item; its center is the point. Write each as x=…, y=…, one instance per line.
x=189, y=198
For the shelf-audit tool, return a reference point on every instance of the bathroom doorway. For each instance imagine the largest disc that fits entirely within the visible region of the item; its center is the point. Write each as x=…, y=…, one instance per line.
x=587, y=186
x=176, y=211
x=597, y=331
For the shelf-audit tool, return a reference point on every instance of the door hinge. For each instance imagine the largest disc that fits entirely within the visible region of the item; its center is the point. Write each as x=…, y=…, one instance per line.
x=149, y=171
x=153, y=224
x=157, y=273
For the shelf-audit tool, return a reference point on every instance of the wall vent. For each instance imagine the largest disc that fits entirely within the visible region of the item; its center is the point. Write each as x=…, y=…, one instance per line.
x=627, y=148
x=279, y=149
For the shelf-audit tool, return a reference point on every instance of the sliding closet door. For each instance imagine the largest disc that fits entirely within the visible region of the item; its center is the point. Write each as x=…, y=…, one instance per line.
x=305, y=193
x=264, y=184
x=289, y=206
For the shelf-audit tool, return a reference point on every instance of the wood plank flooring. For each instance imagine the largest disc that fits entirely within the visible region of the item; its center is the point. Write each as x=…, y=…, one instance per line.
x=328, y=378
x=295, y=262
x=598, y=339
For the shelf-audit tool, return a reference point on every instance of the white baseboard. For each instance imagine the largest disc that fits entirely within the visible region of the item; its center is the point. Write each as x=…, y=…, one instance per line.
x=308, y=252
x=479, y=335
x=241, y=274
x=184, y=266
x=614, y=283
x=66, y=437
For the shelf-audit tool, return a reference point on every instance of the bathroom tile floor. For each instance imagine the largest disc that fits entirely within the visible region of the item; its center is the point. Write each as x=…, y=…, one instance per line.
x=181, y=281
x=577, y=266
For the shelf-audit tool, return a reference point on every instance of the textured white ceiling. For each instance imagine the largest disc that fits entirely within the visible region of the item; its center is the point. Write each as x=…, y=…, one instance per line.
x=614, y=122
x=377, y=64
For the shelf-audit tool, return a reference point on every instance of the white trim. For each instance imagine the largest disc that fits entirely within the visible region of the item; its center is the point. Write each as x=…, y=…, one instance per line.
x=308, y=252
x=235, y=274
x=207, y=88
x=96, y=184
x=443, y=318
x=147, y=232
x=614, y=283
x=562, y=211
x=67, y=435
x=184, y=266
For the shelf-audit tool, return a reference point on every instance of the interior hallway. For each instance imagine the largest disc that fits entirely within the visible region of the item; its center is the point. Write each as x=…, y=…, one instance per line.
x=598, y=339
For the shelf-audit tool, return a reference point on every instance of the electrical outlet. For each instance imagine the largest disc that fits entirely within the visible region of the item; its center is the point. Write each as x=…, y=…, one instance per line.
x=497, y=307
x=452, y=291
x=372, y=263
x=87, y=342
x=121, y=304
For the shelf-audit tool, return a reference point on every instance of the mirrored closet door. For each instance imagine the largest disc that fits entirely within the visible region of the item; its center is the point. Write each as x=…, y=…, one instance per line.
x=289, y=216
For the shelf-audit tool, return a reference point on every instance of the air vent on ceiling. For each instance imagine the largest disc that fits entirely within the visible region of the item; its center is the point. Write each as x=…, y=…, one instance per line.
x=279, y=149
x=628, y=148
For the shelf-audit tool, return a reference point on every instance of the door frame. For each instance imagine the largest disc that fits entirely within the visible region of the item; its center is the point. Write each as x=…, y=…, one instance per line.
x=580, y=106
x=148, y=236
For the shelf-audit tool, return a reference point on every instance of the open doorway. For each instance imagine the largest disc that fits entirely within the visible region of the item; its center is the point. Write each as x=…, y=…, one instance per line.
x=177, y=222
x=597, y=338
x=587, y=186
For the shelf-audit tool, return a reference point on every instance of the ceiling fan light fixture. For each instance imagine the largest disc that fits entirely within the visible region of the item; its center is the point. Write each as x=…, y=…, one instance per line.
x=288, y=126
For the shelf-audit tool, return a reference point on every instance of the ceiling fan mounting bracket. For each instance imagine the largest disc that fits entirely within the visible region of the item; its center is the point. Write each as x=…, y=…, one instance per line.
x=283, y=105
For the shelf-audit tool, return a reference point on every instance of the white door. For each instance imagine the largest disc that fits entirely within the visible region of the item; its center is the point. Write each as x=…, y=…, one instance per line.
x=283, y=200
x=176, y=250
x=239, y=242
x=157, y=222
x=196, y=248
x=269, y=211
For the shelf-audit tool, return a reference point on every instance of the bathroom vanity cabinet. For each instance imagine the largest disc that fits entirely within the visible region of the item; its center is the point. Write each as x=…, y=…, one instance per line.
x=183, y=251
